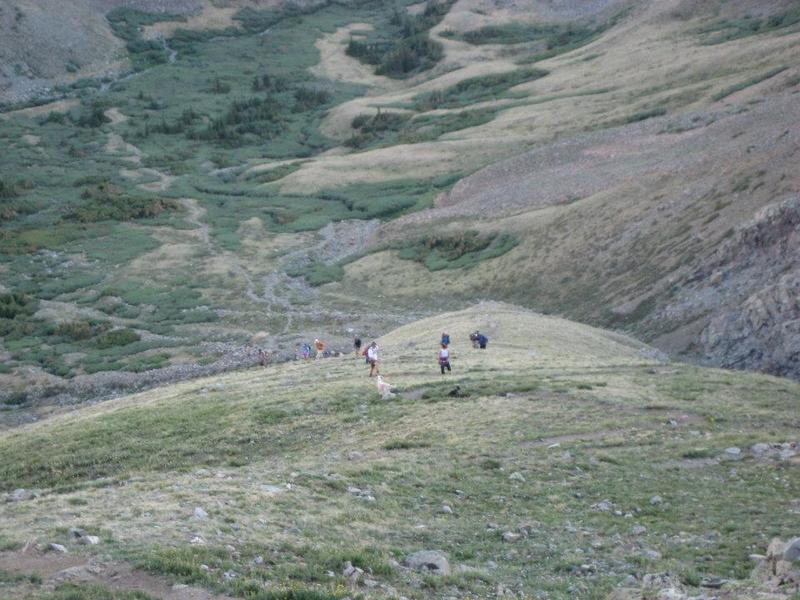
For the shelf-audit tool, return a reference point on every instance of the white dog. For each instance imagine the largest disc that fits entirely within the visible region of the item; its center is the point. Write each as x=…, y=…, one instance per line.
x=384, y=389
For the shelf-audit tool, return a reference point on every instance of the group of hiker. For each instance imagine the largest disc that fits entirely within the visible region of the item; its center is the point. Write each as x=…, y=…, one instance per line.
x=478, y=340
x=371, y=352
x=304, y=350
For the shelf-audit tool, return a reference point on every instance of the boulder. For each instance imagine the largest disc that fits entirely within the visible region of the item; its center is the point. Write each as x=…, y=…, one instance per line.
x=791, y=551
x=432, y=561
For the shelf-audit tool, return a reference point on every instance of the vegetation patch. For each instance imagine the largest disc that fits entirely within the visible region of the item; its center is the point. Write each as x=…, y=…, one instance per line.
x=738, y=87
x=108, y=202
x=476, y=89
x=457, y=251
x=14, y=305
x=117, y=337
x=318, y=273
x=384, y=128
x=726, y=30
x=127, y=24
x=408, y=49
x=550, y=36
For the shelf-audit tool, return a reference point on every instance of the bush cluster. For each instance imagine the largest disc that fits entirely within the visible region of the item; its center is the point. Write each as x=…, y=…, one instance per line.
x=411, y=50
x=107, y=202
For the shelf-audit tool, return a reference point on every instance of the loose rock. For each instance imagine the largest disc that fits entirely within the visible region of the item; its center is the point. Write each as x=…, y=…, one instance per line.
x=431, y=561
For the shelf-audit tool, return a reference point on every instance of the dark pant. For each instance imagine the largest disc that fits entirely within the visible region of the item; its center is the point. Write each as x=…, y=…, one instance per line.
x=445, y=365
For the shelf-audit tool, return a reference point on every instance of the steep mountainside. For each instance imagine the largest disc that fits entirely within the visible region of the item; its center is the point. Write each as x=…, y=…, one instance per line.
x=265, y=173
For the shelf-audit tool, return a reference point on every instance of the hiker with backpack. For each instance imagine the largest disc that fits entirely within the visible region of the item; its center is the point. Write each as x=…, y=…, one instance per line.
x=444, y=359
x=372, y=359
x=357, y=345
x=305, y=351
x=482, y=341
x=319, y=345
x=445, y=339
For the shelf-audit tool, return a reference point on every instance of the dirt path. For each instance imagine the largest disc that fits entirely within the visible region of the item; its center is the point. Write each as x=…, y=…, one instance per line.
x=55, y=569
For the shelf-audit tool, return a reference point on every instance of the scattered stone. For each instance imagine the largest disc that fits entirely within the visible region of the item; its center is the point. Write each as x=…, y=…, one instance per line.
x=554, y=446
x=490, y=564
x=733, y=452
x=58, y=548
x=446, y=510
x=510, y=536
x=638, y=530
x=656, y=500
x=629, y=581
x=21, y=494
x=205, y=568
x=431, y=561
x=516, y=476
x=76, y=533
x=652, y=554
x=585, y=570
x=371, y=583
x=230, y=575
x=712, y=582
x=89, y=540
x=492, y=525
x=272, y=489
x=760, y=448
x=197, y=540
x=355, y=455
x=351, y=572
x=179, y=586
x=258, y=560
x=199, y=513
x=526, y=529
x=359, y=493
x=603, y=506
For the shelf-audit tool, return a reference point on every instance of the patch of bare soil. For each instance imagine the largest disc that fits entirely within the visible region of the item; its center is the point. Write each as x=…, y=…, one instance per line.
x=55, y=568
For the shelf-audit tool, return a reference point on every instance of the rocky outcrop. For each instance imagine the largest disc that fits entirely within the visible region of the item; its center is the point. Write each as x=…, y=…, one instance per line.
x=762, y=331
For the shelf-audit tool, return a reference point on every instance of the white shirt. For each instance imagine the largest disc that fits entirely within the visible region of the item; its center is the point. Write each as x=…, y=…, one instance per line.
x=372, y=353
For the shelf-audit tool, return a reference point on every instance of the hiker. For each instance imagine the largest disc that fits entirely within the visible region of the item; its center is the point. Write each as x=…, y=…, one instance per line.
x=263, y=357
x=445, y=339
x=357, y=345
x=319, y=345
x=372, y=359
x=305, y=350
x=482, y=341
x=444, y=359
x=473, y=337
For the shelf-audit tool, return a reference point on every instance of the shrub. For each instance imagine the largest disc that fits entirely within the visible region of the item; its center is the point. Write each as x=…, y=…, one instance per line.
x=455, y=251
x=477, y=89
x=411, y=50
x=309, y=98
x=107, y=202
x=13, y=305
x=317, y=273
x=643, y=115
x=94, y=116
x=80, y=330
x=117, y=337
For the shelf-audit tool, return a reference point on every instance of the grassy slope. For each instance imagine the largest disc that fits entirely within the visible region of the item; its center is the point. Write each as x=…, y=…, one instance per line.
x=584, y=415
x=263, y=202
